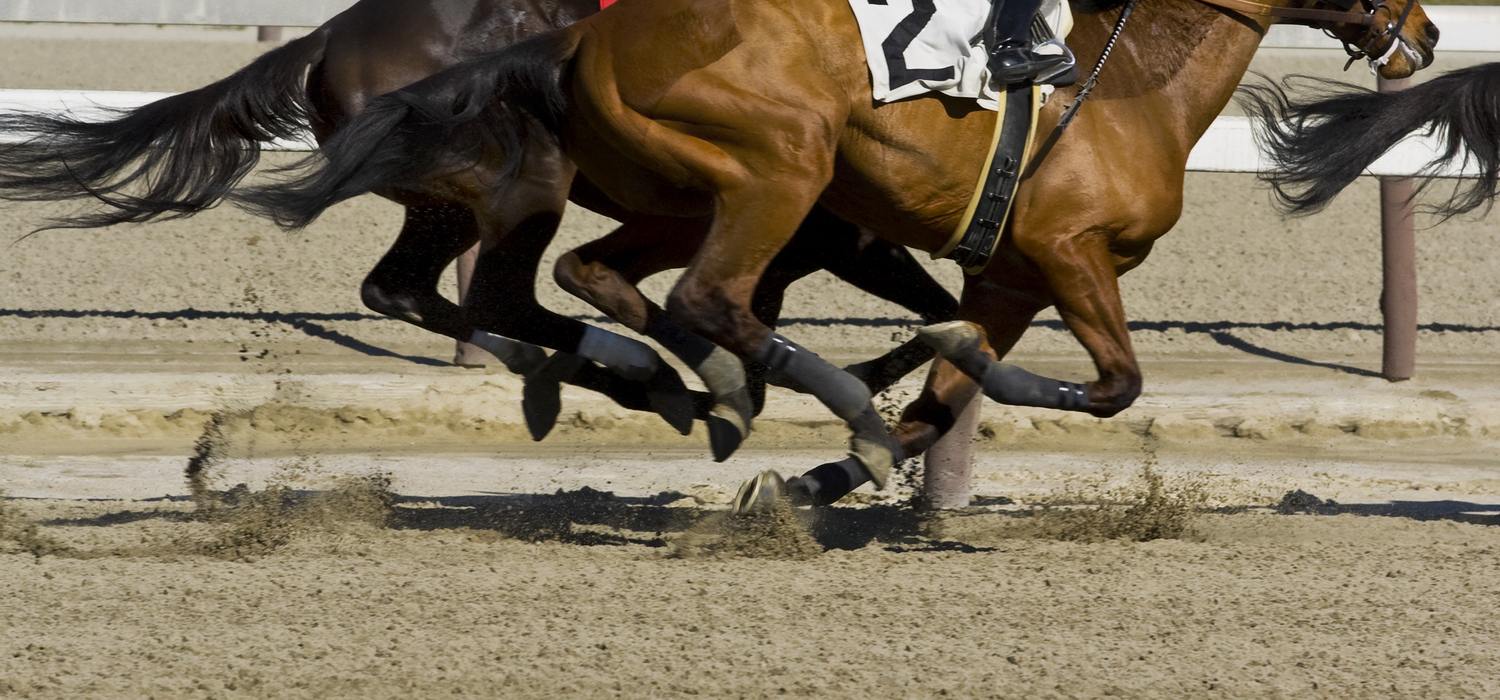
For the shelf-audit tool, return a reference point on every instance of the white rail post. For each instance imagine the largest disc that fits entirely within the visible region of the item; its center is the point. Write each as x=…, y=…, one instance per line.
x=948, y=466
x=467, y=354
x=268, y=33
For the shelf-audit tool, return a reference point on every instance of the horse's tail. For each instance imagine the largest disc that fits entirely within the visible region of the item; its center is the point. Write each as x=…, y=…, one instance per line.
x=169, y=159
x=444, y=123
x=1318, y=146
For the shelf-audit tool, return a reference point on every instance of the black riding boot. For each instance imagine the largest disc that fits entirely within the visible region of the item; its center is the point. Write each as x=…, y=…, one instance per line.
x=1014, y=59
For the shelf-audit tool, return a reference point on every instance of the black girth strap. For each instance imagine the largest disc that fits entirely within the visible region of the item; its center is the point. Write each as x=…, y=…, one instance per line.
x=977, y=243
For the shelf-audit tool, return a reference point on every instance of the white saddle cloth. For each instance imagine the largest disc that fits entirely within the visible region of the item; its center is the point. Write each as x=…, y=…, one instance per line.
x=920, y=46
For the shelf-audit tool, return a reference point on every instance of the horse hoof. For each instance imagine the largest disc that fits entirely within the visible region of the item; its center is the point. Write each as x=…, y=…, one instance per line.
x=723, y=438
x=759, y=495
x=727, y=428
x=541, y=401
x=671, y=400
x=950, y=338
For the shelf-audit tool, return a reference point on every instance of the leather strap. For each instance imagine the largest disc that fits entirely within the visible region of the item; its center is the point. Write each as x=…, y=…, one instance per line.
x=1256, y=9
x=977, y=235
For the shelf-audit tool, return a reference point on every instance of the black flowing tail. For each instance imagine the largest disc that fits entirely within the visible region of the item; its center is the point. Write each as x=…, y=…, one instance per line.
x=1319, y=145
x=169, y=159
x=443, y=124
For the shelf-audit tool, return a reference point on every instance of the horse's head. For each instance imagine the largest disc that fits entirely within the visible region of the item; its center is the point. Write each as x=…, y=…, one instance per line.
x=1395, y=36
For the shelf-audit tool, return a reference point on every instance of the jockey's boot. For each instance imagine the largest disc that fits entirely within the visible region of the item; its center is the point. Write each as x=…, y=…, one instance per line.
x=1014, y=58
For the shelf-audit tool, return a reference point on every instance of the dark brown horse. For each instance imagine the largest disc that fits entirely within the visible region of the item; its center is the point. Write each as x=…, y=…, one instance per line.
x=183, y=154
x=730, y=119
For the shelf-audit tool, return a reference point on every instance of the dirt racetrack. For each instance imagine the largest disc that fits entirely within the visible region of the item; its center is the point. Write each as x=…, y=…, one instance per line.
x=1272, y=519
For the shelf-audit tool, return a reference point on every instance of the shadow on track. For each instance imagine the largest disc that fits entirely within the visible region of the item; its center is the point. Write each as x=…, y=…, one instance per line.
x=307, y=323
x=595, y=518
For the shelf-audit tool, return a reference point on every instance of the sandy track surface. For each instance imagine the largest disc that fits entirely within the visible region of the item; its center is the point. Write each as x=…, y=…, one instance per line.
x=605, y=598
x=398, y=535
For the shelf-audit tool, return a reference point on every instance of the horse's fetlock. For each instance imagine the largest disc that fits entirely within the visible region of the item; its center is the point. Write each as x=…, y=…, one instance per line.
x=705, y=313
x=1110, y=397
x=377, y=298
x=567, y=271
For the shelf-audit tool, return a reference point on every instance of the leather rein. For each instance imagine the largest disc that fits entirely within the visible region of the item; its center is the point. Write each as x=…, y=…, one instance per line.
x=1311, y=15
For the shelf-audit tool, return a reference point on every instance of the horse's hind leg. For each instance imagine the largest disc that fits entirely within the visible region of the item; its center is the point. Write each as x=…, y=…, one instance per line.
x=404, y=285
x=713, y=299
x=502, y=302
x=605, y=273
x=936, y=409
x=880, y=268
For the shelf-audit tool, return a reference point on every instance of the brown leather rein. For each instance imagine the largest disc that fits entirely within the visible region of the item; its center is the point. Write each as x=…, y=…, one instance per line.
x=1256, y=9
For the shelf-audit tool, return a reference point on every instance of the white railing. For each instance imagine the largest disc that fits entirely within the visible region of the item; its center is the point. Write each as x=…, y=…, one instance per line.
x=251, y=13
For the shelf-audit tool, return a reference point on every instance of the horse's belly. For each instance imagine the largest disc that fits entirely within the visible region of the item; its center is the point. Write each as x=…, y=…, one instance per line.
x=908, y=170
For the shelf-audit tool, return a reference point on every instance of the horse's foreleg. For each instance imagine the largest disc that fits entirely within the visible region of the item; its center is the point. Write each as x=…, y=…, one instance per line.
x=714, y=299
x=1081, y=280
x=936, y=409
x=605, y=273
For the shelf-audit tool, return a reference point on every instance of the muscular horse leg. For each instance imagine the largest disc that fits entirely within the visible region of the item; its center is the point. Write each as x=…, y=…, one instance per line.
x=404, y=284
x=502, y=301
x=880, y=268
x=713, y=299
x=605, y=273
x=1005, y=314
x=1082, y=278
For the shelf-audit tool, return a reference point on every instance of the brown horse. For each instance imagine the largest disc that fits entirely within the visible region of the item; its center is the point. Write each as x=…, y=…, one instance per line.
x=183, y=154
x=734, y=117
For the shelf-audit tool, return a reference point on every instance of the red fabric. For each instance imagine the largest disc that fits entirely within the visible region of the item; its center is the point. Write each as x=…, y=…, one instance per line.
x=605, y=3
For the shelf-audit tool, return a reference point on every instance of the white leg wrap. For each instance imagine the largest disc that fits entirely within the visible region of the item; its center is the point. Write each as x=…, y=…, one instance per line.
x=629, y=358
x=518, y=357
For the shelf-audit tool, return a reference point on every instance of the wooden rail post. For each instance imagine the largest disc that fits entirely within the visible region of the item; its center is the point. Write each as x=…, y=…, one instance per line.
x=467, y=354
x=1398, y=297
x=948, y=466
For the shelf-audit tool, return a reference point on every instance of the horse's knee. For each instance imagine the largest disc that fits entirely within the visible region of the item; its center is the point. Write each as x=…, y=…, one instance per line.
x=588, y=279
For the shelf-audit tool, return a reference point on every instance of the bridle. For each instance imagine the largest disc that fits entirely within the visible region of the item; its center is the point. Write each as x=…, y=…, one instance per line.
x=1319, y=18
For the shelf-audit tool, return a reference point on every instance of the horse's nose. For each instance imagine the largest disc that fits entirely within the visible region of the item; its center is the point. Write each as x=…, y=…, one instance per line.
x=1432, y=34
